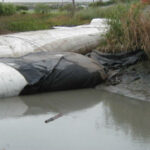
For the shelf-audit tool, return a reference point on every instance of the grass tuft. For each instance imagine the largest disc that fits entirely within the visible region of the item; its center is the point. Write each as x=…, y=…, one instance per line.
x=129, y=30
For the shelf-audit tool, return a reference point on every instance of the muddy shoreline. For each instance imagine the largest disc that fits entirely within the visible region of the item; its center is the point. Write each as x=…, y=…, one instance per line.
x=133, y=82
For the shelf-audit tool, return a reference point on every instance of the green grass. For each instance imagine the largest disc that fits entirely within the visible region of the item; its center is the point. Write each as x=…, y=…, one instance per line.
x=101, y=3
x=99, y=12
x=33, y=21
x=7, y=9
x=23, y=22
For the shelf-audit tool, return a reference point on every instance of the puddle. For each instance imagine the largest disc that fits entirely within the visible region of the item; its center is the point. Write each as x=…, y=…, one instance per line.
x=92, y=120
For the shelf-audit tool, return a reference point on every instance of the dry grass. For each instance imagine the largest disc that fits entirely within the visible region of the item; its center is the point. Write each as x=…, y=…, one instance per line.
x=128, y=32
x=145, y=33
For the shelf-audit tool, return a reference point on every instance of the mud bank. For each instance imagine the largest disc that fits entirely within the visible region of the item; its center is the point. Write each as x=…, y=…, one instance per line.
x=133, y=82
x=128, y=73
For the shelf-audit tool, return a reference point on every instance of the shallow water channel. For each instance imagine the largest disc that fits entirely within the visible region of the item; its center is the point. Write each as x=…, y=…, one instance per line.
x=92, y=120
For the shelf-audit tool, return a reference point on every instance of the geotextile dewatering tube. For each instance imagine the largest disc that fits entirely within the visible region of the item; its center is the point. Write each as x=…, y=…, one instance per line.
x=47, y=71
x=76, y=39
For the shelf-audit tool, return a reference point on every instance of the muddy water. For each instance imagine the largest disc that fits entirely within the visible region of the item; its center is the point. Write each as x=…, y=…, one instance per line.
x=92, y=120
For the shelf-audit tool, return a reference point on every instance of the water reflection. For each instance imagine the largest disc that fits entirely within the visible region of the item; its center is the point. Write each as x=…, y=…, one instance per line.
x=129, y=115
x=59, y=102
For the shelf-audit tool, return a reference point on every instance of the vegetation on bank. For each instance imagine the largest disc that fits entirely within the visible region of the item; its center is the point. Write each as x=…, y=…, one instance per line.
x=16, y=18
x=7, y=9
x=41, y=18
x=29, y=22
x=101, y=3
x=129, y=29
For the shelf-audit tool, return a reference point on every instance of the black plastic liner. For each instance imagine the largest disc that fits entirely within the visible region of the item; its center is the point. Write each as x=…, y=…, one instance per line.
x=116, y=64
x=46, y=71
x=118, y=60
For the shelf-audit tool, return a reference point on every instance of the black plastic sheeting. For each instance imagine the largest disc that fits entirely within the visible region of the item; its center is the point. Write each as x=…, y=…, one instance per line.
x=117, y=60
x=45, y=71
x=116, y=64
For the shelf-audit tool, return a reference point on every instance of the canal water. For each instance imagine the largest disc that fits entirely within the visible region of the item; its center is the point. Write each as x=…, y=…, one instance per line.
x=91, y=120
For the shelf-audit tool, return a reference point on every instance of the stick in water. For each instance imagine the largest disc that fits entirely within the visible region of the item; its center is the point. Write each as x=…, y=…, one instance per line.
x=54, y=118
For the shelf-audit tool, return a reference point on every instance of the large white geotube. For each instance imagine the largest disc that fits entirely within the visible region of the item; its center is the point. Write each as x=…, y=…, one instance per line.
x=11, y=81
x=77, y=39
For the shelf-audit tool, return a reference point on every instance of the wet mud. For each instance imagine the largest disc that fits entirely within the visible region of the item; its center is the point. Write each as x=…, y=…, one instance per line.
x=133, y=82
